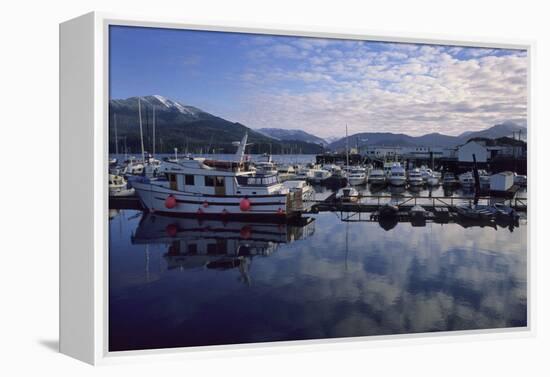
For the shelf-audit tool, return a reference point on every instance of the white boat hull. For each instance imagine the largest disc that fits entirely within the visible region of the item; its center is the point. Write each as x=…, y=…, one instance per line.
x=397, y=181
x=356, y=181
x=377, y=180
x=432, y=181
x=416, y=182
x=153, y=197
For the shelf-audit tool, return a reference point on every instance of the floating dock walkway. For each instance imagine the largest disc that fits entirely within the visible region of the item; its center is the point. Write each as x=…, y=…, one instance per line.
x=372, y=203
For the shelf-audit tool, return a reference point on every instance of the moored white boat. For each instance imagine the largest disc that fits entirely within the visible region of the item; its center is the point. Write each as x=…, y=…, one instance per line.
x=397, y=175
x=320, y=175
x=357, y=176
x=119, y=187
x=197, y=186
x=415, y=177
x=377, y=177
x=304, y=174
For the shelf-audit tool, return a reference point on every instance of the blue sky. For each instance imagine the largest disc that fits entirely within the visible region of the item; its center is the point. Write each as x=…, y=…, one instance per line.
x=319, y=85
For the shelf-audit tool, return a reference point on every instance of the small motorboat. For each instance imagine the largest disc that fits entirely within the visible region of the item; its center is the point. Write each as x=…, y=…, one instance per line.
x=347, y=194
x=119, y=187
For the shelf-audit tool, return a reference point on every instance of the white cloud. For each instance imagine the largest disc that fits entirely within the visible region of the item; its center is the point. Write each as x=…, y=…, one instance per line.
x=407, y=88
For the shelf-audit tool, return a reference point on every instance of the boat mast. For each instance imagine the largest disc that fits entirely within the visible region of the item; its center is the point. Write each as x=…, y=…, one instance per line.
x=347, y=147
x=141, y=131
x=154, y=126
x=116, y=138
x=242, y=147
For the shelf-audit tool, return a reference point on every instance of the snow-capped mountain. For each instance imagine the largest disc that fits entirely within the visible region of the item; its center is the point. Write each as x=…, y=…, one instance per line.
x=189, y=128
x=161, y=104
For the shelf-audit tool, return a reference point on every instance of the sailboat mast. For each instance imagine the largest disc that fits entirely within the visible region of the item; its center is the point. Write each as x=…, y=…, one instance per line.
x=141, y=131
x=154, y=127
x=116, y=139
x=347, y=146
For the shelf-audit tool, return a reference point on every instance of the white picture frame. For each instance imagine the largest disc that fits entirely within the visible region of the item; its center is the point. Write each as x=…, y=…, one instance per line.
x=84, y=195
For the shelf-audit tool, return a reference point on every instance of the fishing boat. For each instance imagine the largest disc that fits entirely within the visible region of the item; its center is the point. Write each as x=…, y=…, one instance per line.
x=415, y=177
x=377, y=177
x=119, y=187
x=347, y=194
x=198, y=186
x=357, y=176
x=397, y=175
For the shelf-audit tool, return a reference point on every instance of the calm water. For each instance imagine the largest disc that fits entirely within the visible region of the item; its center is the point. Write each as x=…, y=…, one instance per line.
x=181, y=282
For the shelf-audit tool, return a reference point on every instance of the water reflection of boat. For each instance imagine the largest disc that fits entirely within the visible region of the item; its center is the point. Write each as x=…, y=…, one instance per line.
x=211, y=244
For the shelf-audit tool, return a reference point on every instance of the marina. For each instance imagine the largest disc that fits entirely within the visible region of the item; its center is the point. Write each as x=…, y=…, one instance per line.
x=310, y=198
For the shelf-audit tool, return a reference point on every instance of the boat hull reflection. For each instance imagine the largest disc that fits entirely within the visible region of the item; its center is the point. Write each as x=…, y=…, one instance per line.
x=195, y=244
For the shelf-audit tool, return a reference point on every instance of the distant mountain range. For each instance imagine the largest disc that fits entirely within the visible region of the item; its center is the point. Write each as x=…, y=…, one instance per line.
x=193, y=130
x=283, y=134
x=432, y=139
x=189, y=129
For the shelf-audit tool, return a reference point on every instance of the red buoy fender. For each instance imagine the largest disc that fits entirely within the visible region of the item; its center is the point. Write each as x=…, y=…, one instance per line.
x=245, y=232
x=170, y=202
x=245, y=204
x=172, y=230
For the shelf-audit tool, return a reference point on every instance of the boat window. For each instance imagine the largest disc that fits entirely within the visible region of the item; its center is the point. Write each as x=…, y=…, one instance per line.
x=189, y=180
x=192, y=248
x=208, y=180
x=219, y=181
x=257, y=180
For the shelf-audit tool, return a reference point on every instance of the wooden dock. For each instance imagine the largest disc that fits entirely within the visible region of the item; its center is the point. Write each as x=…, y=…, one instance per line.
x=372, y=203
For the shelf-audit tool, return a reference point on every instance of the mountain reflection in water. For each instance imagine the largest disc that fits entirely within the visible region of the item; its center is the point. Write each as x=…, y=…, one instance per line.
x=182, y=282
